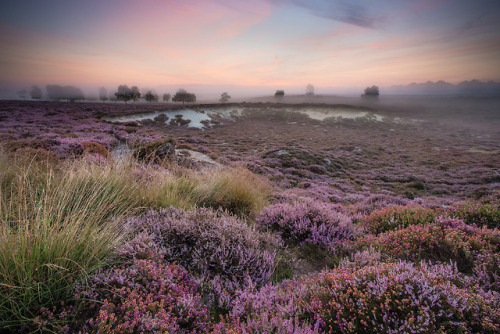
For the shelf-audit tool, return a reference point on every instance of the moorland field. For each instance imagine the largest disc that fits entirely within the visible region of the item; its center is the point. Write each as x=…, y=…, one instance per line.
x=295, y=215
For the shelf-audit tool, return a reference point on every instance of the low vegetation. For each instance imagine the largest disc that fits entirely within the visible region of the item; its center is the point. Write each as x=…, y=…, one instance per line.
x=55, y=227
x=281, y=239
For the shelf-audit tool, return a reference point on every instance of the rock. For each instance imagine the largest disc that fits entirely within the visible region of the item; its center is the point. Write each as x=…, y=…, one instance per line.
x=157, y=152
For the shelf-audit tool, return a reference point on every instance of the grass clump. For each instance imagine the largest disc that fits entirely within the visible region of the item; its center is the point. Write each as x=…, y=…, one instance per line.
x=55, y=226
x=164, y=190
x=237, y=191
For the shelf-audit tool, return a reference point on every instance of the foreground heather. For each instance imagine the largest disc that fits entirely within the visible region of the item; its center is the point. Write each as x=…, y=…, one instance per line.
x=360, y=235
x=380, y=298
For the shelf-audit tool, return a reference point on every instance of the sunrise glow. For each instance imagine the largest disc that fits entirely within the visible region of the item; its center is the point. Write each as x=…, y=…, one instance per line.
x=250, y=43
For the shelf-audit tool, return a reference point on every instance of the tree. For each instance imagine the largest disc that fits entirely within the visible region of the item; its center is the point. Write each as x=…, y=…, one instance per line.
x=136, y=95
x=126, y=94
x=279, y=93
x=371, y=91
x=310, y=90
x=166, y=97
x=150, y=97
x=224, y=97
x=103, y=94
x=184, y=96
x=123, y=93
x=36, y=93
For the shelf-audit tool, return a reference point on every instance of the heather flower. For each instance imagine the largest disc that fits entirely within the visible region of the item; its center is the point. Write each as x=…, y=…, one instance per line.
x=209, y=243
x=444, y=240
x=397, y=217
x=400, y=298
x=144, y=297
x=380, y=298
x=308, y=222
x=476, y=213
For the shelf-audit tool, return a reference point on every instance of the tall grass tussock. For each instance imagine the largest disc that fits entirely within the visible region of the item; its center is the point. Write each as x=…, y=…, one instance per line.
x=59, y=223
x=55, y=226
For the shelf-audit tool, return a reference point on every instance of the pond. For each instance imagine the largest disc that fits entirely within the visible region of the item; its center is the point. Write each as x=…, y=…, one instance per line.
x=198, y=118
x=202, y=117
x=324, y=113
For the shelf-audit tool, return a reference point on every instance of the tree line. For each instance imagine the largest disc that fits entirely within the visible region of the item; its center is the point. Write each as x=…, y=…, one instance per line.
x=124, y=93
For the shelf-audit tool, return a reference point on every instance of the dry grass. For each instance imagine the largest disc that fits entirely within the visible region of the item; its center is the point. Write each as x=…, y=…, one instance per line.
x=55, y=226
x=58, y=223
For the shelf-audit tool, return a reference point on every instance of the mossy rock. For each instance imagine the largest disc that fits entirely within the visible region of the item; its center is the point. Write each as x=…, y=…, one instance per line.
x=156, y=152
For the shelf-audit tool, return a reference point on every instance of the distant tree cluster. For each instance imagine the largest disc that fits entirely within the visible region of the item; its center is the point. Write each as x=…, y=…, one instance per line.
x=279, y=93
x=166, y=97
x=371, y=91
x=184, y=96
x=151, y=97
x=126, y=94
x=71, y=93
x=224, y=97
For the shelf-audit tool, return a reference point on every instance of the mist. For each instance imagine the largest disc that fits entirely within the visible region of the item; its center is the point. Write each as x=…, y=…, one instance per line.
x=212, y=92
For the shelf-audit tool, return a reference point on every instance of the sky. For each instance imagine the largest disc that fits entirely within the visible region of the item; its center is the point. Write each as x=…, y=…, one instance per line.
x=260, y=43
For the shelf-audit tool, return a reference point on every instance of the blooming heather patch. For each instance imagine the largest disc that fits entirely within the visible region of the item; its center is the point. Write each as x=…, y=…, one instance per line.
x=443, y=240
x=308, y=222
x=62, y=128
x=397, y=217
x=476, y=213
x=400, y=298
x=381, y=298
x=210, y=243
x=375, y=202
x=145, y=297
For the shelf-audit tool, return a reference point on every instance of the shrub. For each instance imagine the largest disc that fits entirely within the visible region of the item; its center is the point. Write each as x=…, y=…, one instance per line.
x=271, y=309
x=476, y=213
x=396, y=217
x=381, y=298
x=96, y=148
x=210, y=243
x=444, y=240
x=308, y=222
x=400, y=297
x=146, y=296
x=375, y=202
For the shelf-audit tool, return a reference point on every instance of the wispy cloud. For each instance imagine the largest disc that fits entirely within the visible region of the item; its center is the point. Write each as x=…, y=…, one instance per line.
x=356, y=13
